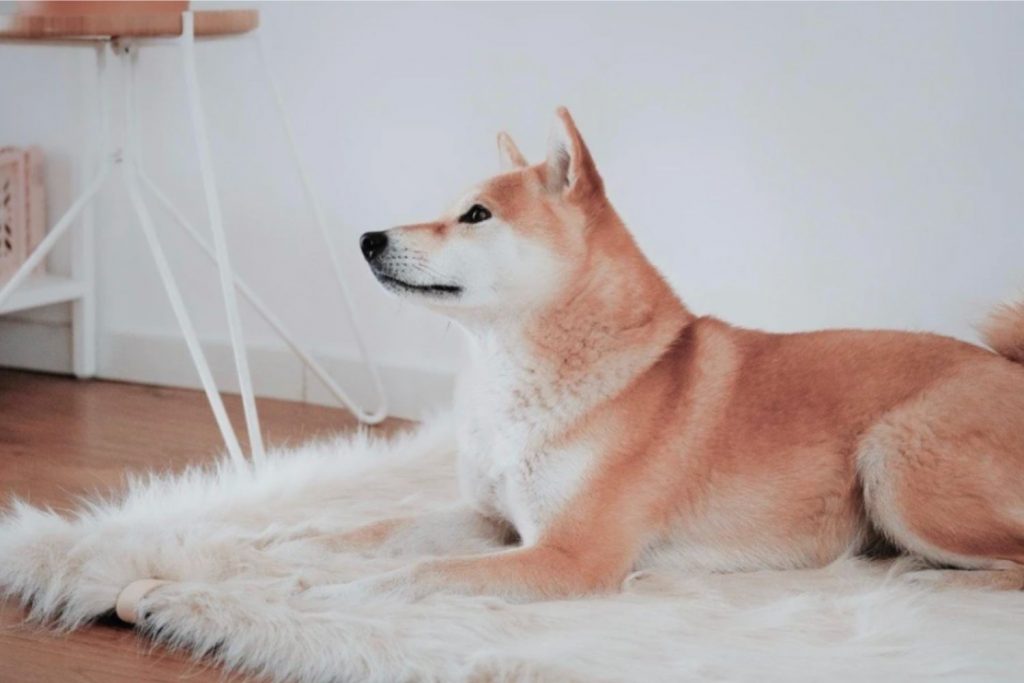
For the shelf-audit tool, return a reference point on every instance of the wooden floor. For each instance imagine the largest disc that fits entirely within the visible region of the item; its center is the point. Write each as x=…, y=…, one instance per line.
x=61, y=438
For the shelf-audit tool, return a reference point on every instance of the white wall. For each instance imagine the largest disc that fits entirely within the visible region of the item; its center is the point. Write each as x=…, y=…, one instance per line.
x=37, y=106
x=787, y=166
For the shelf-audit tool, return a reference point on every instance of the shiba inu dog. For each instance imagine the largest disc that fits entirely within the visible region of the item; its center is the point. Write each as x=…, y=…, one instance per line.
x=603, y=427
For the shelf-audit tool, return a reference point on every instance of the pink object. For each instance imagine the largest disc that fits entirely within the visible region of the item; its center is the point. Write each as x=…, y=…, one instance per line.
x=22, y=206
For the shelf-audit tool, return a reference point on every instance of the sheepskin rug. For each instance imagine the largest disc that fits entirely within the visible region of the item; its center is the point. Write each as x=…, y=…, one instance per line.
x=236, y=542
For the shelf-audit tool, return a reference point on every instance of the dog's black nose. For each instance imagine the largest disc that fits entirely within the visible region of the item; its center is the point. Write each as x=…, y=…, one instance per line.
x=373, y=244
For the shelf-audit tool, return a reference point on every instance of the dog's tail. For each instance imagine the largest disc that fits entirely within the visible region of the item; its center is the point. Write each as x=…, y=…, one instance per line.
x=1004, y=331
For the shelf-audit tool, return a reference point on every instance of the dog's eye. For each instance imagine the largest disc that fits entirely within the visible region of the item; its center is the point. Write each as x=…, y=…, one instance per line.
x=476, y=214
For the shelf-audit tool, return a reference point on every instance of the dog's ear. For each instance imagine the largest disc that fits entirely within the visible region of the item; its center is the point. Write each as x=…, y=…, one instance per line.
x=570, y=168
x=509, y=155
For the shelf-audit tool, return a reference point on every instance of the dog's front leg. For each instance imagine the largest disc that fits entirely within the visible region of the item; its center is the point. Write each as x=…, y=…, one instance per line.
x=458, y=529
x=532, y=573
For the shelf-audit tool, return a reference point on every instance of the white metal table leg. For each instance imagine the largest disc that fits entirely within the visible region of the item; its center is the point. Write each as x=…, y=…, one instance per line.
x=134, y=129
x=227, y=285
x=380, y=411
x=251, y=297
x=167, y=277
x=83, y=250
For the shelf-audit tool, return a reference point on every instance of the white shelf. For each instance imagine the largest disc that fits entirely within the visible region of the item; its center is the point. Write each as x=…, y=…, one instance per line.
x=43, y=290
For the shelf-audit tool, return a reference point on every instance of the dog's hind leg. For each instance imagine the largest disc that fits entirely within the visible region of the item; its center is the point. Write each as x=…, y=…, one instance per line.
x=943, y=478
x=1010, y=578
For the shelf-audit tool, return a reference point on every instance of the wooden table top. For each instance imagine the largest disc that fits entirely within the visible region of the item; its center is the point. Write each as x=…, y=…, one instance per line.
x=30, y=27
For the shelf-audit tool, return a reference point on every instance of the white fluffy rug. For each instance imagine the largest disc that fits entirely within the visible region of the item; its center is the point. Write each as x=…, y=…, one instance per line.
x=234, y=541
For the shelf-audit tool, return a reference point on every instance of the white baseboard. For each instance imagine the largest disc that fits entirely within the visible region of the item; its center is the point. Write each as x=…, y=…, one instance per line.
x=164, y=360
x=41, y=345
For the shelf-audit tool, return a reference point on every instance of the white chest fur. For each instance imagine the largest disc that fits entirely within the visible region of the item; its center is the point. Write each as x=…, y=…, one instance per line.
x=507, y=425
x=519, y=405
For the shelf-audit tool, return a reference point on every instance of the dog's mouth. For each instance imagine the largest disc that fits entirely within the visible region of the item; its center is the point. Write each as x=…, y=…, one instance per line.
x=438, y=290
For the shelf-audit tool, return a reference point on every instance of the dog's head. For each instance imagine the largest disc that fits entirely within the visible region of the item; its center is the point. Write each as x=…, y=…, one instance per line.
x=512, y=243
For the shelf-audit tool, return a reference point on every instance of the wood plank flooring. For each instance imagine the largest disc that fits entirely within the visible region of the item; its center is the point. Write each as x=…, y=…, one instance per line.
x=61, y=438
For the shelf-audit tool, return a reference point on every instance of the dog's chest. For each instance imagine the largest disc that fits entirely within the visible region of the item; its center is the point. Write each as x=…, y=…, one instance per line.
x=508, y=463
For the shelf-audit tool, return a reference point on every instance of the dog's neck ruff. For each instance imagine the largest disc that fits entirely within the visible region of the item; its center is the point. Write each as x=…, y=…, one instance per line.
x=550, y=368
